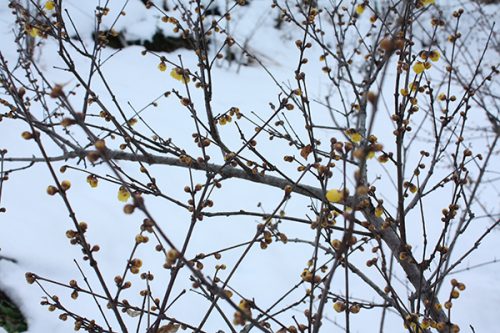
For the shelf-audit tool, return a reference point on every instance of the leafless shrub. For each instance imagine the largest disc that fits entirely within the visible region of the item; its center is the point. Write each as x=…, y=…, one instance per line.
x=364, y=201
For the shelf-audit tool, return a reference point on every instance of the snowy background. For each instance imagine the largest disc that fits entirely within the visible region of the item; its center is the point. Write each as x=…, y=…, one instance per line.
x=32, y=230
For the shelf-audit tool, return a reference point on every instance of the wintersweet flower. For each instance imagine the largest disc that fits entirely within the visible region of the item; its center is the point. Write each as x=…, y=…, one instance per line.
x=360, y=9
x=419, y=67
x=180, y=75
x=334, y=195
x=434, y=55
x=92, y=180
x=162, y=66
x=339, y=306
x=355, y=136
x=66, y=185
x=50, y=5
x=123, y=194
x=33, y=32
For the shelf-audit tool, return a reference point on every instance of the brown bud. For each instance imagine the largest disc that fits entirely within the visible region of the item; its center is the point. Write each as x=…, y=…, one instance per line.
x=128, y=209
x=93, y=156
x=100, y=145
x=51, y=190
x=56, y=91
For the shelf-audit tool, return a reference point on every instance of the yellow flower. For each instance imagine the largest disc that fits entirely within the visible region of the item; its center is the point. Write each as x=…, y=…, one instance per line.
x=92, y=180
x=379, y=211
x=428, y=2
x=360, y=9
x=162, y=66
x=339, y=306
x=356, y=137
x=123, y=194
x=434, y=55
x=65, y=184
x=335, y=195
x=419, y=67
x=353, y=135
x=33, y=32
x=180, y=75
x=49, y=5
x=426, y=323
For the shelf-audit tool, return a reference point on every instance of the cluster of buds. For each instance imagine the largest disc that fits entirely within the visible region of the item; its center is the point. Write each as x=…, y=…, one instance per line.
x=74, y=235
x=122, y=284
x=267, y=239
x=135, y=265
x=449, y=213
x=410, y=186
x=308, y=276
x=228, y=116
x=456, y=288
x=171, y=258
x=201, y=141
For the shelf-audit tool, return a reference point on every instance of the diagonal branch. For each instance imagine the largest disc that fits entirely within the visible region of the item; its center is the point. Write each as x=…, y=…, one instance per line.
x=378, y=225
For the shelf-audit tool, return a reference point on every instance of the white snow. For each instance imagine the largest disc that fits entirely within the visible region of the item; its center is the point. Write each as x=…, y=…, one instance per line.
x=33, y=229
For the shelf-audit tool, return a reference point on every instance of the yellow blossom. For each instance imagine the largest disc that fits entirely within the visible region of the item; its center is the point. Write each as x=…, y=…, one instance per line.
x=339, y=306
x=162, y=66
x=334, y=195
x=356, y=137
x=92, y=180
x=419, y=67
x=426, y=323
x=50, y=5
x=360, y=9
x=123, y=194
x=33, y=32
x=379, y=211
x=180, y=75
x=65, y=184
x=353, y=135
x=434, y=55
